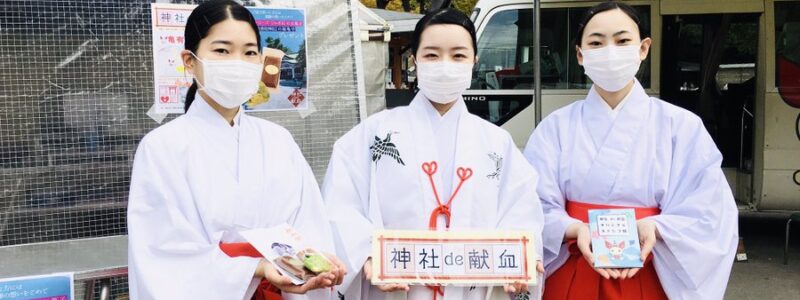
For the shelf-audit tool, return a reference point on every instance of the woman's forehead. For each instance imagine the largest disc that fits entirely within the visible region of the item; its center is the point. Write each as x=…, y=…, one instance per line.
x=232, y=30
x=610, y=22
x=446, y=35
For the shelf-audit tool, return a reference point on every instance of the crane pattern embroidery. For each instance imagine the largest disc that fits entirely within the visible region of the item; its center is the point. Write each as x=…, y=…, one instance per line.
x=523, y=296
x=383, y=147
x=498, y=165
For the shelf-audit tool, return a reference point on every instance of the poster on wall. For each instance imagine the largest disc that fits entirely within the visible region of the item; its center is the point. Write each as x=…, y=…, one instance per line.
x=51, y=287
x=170, y=80
x=284, y=80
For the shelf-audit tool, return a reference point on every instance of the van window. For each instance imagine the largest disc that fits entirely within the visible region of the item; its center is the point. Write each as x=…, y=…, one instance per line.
x=560, y=69
x=506, y=50
x=787, y=51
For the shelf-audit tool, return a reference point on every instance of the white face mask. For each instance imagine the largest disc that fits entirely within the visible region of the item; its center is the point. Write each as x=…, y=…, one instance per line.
x=230, y=83
x=443, y=82
x=612, y=67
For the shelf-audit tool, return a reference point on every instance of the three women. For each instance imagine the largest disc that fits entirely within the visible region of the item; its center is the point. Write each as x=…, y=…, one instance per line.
x=432, y=165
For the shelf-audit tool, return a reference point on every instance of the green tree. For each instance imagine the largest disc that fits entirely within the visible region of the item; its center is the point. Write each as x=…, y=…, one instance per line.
x=465, y=6
x=419, y=6
x=301, y=59
x=276, y=44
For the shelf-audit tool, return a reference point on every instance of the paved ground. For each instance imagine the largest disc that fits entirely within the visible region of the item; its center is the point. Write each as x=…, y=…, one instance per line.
x=763, y=276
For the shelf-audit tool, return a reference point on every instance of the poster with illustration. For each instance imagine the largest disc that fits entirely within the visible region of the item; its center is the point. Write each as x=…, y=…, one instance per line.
x=284, y=79
x=615, y=238
x=170, y=80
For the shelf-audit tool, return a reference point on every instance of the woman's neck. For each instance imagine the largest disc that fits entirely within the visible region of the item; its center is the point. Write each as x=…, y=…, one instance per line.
x=228, y=113
x=614, y=98
x=442, y=108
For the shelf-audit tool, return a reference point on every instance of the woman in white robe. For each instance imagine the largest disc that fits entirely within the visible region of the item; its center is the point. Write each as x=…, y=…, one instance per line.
x=620, y=148
x=203, y=177
x=375, y=177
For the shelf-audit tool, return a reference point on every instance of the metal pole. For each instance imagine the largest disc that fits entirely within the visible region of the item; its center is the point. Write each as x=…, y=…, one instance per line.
x=537, y=59
x=89, y=294
x=741, y=141
x=105, y=289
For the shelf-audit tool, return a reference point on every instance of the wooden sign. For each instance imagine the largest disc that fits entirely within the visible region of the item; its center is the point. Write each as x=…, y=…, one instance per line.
x=457, y=258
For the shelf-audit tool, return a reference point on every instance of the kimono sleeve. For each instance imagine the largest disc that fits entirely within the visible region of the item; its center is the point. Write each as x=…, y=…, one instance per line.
x=311, y=220
x=698, y=220
x=169, y=254
x=519, y=205
x=346, y=192
x=543, y=152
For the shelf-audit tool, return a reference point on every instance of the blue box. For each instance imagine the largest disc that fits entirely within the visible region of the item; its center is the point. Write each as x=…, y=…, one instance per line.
x=615, y=238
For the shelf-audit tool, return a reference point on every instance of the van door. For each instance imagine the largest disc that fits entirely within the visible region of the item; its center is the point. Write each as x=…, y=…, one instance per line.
x=502, y=82
x=711, y=71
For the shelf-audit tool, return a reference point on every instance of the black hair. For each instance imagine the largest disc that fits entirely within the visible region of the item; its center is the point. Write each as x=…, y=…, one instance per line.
x=443, y=16
x=205, y=16
x=606, y=6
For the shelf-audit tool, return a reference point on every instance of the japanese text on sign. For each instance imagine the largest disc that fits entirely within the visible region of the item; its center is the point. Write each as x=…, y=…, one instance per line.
x=428, y=257
x=51, y=287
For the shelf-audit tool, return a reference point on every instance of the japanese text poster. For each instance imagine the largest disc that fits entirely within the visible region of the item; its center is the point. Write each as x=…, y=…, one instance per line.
x=284, y=78
x=51, y=287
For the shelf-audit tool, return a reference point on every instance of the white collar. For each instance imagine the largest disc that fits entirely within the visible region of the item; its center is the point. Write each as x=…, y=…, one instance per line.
x=435, y=118
x=201, y=109
x=613, y=112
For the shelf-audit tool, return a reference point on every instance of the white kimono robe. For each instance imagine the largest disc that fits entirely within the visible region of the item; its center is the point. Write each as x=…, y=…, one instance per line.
x=366, y=190
x=652, y=154
x=196, y=182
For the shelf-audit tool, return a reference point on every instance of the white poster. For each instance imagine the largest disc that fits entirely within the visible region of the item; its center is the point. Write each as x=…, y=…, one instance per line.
x=171, y=82
x=284, y=79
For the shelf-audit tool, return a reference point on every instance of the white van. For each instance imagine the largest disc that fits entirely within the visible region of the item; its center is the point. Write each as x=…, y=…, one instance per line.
x=503, y=83
x=719, y=59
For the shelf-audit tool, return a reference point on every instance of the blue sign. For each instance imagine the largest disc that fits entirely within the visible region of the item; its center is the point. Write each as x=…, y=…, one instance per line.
x=46, y=287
